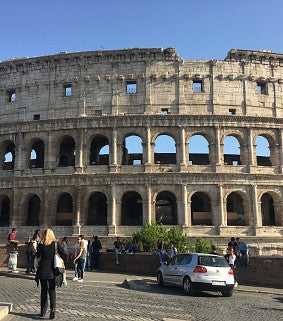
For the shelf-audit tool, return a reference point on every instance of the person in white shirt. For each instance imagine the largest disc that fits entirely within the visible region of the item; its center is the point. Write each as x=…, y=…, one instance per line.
x=76, y=251
x=86, y=250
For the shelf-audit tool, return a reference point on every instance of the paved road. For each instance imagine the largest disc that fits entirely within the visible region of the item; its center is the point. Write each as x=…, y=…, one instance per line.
x=103, y=297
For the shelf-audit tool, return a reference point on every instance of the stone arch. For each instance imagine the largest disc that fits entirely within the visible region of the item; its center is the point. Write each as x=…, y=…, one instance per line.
x=33, y=206
x=265, y=150
x=233, y=149
x=201, y=209
x=198, y=150
x=166, y=208
x=5, y=210
x=36, y=154
x=131, y=209
x=132, y=150
x=235, y=208
x=165, y=149
x=67, y=150
x=96, y=155
x=65, y=210
x=7, y=151
x=271, y=209
x=97, y=209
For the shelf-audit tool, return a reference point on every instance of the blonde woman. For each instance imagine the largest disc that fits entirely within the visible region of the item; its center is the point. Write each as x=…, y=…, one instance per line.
x=46, y=272
x=79, y=260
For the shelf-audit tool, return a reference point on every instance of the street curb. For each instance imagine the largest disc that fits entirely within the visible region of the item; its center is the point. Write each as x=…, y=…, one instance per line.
x=5, y=308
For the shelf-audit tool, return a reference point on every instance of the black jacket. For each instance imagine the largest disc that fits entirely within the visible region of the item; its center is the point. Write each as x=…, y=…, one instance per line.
x=46, y=254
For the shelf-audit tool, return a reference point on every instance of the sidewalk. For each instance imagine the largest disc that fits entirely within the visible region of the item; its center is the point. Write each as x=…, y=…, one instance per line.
x=132, y=281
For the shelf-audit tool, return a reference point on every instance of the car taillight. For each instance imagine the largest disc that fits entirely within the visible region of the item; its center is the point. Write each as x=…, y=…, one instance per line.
x=231, y=272
x=200, y=269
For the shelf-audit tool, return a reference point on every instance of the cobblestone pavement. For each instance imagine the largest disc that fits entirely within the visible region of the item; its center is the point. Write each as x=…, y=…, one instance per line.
x=101, y=299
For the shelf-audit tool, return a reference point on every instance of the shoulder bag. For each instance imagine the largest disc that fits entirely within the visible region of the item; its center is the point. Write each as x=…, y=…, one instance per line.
x=58, y=262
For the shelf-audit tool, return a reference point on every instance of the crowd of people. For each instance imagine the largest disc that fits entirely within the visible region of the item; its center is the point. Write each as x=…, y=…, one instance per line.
x=85, y=255
x=237, y=252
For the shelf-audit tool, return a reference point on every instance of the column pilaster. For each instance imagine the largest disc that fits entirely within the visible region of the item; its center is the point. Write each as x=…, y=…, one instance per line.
x=111, y=219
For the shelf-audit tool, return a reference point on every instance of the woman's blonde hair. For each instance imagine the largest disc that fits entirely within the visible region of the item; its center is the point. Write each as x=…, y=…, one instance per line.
x=48, y=237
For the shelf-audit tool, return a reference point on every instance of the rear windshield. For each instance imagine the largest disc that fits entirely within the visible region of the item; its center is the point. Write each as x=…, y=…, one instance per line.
x=212, y=261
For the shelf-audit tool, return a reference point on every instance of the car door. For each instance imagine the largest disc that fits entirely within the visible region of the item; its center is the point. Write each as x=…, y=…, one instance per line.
x=169, y=272
x=181, y=268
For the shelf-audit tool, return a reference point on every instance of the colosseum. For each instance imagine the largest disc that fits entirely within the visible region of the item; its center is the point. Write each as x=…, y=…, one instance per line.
x=102, y=141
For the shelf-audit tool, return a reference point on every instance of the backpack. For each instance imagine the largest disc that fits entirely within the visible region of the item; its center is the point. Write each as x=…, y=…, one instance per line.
x=30, y=248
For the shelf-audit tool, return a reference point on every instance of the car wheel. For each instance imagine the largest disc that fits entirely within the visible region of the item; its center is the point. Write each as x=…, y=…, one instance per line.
x=160, y=281
x=188, y=286
x=227, y=293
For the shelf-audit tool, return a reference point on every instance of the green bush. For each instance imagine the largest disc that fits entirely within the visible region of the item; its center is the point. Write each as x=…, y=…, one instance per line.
x=150, y=233
x=202, y=245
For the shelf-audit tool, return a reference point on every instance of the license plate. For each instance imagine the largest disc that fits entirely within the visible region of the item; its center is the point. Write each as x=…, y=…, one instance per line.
x=223, y=283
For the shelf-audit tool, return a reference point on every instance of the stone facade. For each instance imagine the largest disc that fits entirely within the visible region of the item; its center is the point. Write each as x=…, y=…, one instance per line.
x=65, y=162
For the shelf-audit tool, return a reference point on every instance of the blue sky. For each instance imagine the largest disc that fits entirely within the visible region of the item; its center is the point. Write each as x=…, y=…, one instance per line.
x=198, y=29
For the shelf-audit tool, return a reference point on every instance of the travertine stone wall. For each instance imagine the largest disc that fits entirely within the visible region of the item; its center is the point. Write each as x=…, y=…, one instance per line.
x=81, y=95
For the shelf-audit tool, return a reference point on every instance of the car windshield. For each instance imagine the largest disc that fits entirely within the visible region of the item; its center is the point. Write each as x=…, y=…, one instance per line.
x=212, y=261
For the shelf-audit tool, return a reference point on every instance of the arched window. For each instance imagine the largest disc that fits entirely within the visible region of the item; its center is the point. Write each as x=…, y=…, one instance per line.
x=132, y=150
x=165, y=150
x=198, y=150
x=64, y=210
x=9, y=155
x=201, y=209
x=4, y=210
x=268, y=210
x=262, y=151
x=67, y=152
x=232, y=151
x=33, y=211
x=37, y=155
x=131, y=209
x=235, y=210
x=97, y=209
x=166, y=208
x=99, y=151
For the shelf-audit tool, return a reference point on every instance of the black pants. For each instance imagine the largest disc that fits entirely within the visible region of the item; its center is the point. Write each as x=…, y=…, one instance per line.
x=80, y=268
x=95, y=260
x=47, y=286
x=30, y=265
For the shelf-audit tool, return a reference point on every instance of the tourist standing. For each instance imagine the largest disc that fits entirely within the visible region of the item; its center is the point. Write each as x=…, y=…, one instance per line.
x=80, y=260
x=46, y=272
x=76, y=251
x=95, y=253
x=117, y=246
x=30, y=251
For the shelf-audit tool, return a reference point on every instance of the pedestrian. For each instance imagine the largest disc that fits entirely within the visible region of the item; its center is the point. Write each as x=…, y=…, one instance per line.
x=214, y=250
x=30, y=251
x=85, y=242
x=243, y=252
x=172, y=250
x=36, y=236
x=159, y=250
x=12, y=239
x=80, y=260
x=46, y=272
x=233, y=243
x=118, y=247
x=95, y=253
x=76, y=251
x=65, y=245
x=231, y=258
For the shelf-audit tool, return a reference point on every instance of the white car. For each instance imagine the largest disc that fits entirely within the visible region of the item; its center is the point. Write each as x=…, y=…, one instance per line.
x=198, y=272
